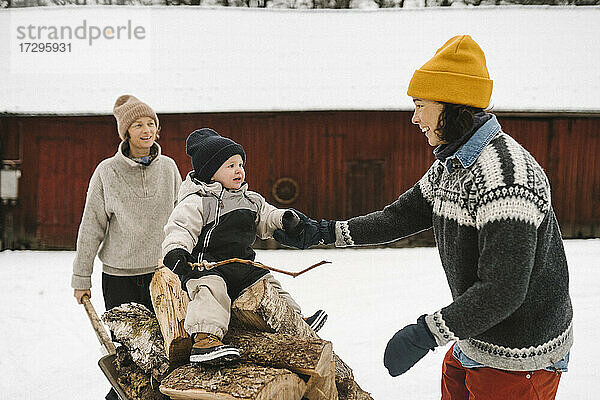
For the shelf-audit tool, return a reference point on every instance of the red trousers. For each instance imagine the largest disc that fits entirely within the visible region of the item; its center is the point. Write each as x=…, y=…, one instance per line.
x=460, y=383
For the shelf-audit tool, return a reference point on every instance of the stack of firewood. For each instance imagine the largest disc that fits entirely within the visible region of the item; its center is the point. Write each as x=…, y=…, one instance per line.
x=281, y=357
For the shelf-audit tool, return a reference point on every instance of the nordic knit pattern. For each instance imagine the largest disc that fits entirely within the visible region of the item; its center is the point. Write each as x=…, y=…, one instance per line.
x=126, y=207
x=501, y=249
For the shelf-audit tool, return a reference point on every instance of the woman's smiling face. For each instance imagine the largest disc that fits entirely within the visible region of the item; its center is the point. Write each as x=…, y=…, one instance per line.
x=142, y=135
x=427, y=115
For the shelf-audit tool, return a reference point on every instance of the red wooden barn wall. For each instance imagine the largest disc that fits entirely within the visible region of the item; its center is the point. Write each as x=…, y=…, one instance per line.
x=345, y=163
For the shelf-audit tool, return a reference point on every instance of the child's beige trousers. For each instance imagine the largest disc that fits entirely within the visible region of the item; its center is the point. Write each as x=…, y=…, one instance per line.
x=209, y=310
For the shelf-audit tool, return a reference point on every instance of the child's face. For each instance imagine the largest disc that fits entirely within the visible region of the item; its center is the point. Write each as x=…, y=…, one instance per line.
x=231, y=174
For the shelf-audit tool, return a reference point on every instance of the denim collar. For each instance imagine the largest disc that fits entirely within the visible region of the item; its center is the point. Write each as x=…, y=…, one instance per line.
x=468, y=153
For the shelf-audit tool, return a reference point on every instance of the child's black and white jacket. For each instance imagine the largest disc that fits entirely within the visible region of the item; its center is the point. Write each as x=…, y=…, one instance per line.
x=214, y=223
x=501, y=248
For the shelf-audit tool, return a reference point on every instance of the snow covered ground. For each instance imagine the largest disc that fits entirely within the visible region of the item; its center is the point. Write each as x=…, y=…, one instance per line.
x=49, y=350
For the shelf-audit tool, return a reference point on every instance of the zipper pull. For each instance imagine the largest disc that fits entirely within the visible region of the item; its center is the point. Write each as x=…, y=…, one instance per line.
x=220, y=198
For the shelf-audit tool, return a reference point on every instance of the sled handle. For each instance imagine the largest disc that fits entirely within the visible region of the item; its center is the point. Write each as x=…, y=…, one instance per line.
x=107, y=345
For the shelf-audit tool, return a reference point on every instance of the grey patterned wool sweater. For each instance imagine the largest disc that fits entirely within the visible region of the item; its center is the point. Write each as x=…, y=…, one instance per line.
x=501, y=248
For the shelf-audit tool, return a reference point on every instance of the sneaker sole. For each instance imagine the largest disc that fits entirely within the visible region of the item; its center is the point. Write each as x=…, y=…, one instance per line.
x=318, y=323
x=218, y=357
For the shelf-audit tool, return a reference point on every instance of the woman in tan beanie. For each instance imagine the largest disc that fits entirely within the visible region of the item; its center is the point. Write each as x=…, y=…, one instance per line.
x=489, y=205
x=129, y=200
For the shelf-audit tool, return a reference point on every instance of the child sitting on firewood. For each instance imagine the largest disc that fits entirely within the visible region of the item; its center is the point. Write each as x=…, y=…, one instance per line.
x=218, y=218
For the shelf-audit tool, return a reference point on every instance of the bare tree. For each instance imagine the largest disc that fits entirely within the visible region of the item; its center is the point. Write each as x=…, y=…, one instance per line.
x=293, y=4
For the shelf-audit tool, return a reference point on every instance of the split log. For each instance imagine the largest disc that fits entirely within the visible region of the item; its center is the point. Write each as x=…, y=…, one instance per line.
x=342, y=370
x=243, y=381
x=348, y=389
x=322, y=387
x=137, y=329
x=303, y=356
x=260, y=307
x=136, y=383
x=263, y=309
x=170, y=305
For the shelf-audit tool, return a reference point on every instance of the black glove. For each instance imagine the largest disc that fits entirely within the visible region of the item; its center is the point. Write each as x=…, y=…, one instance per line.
x=177, y=261
x=306, y=232
x=407, y=347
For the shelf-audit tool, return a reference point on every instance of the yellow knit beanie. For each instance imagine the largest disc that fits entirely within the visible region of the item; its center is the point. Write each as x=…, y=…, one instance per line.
x=456, y=74
x=127, y=109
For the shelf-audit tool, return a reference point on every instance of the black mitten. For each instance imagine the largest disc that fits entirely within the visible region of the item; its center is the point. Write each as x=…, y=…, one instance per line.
x=177, y=261
x=408, y=346
x=292, y=224
x=306, y=232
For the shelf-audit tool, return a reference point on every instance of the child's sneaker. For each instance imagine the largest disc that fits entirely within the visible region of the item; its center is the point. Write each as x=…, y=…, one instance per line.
x=208, y=349
x=317, y=320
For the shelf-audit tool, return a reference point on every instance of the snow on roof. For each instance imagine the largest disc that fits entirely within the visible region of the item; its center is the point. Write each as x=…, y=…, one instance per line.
x=234, y=59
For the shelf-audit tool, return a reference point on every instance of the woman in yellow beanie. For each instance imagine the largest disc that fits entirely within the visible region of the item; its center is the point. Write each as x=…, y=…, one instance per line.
x=488, y=202
x=129, y=200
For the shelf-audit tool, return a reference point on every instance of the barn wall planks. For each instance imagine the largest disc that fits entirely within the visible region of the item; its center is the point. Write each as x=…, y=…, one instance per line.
x=344, y=163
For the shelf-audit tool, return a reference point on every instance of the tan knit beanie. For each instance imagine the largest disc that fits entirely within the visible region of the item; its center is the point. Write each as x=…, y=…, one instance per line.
x=127, y=109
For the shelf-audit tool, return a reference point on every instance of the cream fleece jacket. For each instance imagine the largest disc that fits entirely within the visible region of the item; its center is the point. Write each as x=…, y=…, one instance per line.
x=126, y=208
